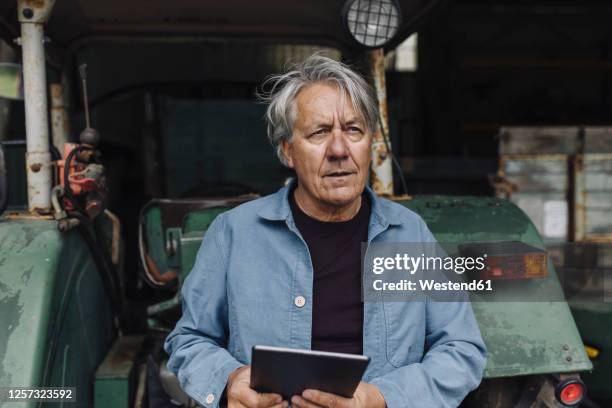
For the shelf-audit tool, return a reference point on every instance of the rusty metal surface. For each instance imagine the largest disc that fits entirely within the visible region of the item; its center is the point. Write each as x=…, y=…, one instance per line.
x=26, y=216
x=34, y=11
x=382, y=169
x=60, y=125
x=402, y=197
x=38, y=158
x=38, y=170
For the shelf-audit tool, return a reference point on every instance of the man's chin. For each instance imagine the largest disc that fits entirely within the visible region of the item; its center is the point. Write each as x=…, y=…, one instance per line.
x=342, y=197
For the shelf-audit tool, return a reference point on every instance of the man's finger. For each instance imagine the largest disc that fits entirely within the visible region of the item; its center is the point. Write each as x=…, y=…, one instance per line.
x=299, y=402
x=283, y=404
x=235, y=404
x=267, y=400
x=326, y=399
x=254, y=399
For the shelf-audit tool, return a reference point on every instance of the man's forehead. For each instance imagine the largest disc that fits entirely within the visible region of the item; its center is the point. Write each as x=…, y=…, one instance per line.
x=321, y=102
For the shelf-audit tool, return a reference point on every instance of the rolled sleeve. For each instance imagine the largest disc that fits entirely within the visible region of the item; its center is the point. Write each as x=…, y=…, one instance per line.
x=198, y=344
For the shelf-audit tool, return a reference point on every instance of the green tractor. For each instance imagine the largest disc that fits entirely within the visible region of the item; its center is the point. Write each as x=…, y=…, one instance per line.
x=100, y=227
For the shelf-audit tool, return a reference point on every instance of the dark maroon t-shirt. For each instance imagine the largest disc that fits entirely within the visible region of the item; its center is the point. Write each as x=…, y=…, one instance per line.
x=335, y=250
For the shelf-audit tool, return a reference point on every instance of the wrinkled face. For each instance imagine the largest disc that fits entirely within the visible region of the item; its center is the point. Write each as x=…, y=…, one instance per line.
x=330, y=146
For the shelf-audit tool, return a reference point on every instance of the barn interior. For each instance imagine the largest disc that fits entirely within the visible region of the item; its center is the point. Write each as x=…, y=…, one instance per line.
x=497, y=98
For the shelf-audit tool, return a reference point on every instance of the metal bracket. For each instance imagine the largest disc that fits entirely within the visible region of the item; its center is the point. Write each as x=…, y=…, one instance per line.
x=34, y=11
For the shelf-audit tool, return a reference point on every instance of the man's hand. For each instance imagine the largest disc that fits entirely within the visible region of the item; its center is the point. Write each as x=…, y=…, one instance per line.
x=240, y=394
x=366, y=396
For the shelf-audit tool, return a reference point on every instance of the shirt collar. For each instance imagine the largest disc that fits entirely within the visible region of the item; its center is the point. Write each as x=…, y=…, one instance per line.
x=278, y=209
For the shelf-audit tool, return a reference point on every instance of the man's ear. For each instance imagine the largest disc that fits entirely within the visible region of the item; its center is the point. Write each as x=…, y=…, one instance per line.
x=287, y=150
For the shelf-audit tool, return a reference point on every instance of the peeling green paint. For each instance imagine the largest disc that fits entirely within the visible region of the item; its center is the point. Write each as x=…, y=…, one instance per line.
x=522, y=337
x=51, y=300
x=25, y=276
x=10, y=315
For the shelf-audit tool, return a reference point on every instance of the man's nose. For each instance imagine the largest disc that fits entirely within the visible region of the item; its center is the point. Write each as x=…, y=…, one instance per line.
x=337, y=149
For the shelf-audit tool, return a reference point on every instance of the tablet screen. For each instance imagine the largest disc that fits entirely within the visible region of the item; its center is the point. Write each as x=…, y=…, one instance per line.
x=288, y=371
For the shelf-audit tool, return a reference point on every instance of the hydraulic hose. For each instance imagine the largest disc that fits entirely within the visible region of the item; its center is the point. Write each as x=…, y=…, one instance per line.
x=104, y=265
x=105, y=274
x=108, y=273
x=108, y=261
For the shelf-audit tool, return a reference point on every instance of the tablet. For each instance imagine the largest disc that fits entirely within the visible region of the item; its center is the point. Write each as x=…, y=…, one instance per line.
x=288, y=371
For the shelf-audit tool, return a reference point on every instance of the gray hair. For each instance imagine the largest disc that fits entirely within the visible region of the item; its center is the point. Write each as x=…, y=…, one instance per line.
x=280, y=113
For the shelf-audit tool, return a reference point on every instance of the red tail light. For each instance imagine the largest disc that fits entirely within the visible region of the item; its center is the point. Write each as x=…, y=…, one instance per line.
x=570, y=392
x=508, y=259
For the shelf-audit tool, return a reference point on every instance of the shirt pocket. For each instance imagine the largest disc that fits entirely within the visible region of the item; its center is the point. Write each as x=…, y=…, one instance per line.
x=405, y=332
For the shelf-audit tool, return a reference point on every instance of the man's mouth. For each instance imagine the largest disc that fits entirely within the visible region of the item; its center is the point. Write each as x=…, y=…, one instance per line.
x=339, y=173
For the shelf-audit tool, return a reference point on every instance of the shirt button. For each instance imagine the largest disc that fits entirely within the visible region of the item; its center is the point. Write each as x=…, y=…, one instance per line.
x=210, y=398
x=300, y=301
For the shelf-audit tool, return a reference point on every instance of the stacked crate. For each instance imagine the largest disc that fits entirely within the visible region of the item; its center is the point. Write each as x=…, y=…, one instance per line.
x=534, y=162
x=562, y=178
x=592, y=169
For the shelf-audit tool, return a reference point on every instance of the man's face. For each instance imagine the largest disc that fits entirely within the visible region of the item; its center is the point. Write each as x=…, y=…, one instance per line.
x=330, y=146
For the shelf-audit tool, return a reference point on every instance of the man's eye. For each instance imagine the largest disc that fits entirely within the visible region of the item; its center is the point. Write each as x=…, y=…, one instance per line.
x=354, y=133
x=318, y=133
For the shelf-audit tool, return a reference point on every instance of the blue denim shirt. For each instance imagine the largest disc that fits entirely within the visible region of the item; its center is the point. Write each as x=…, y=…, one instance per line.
x=251, y=267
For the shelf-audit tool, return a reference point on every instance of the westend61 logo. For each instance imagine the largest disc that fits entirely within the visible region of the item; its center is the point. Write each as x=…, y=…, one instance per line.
x=501, y=271
x=411, y=271
x=411, y=264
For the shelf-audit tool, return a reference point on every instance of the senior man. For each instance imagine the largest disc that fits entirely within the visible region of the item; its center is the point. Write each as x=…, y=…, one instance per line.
x=284, y=270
